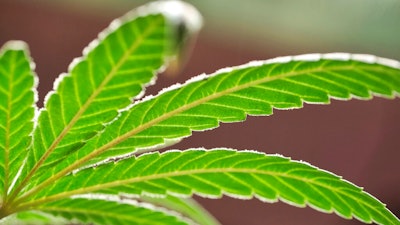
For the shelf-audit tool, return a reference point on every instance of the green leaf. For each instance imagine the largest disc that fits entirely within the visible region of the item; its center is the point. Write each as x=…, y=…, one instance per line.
x=231, y=94
x=113, y=70
x=17, y=99
x=99, y=85
x=187, y=207
x=213, y=173
x=109, y=212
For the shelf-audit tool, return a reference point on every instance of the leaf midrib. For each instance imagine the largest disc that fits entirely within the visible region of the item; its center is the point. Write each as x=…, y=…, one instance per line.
x=194, y=104
x=86, y=105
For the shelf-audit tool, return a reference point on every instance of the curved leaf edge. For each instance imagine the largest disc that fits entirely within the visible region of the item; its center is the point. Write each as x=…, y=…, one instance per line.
x=166, y=8
x=312, y=57
x=278, y=196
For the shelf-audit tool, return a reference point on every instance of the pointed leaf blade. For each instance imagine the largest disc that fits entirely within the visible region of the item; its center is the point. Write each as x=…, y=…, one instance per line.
x=231, y=94
x=114, y=69
x=257, y=88
x=17, y=100
x=102, y=83
x=216, y=172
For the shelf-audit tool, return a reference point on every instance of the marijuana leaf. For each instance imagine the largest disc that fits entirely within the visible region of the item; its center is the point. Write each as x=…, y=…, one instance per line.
x=97, y=87
x=113, y=71
x=17, y=95
x=88, y=156
x=228, y=96
x=222, y=171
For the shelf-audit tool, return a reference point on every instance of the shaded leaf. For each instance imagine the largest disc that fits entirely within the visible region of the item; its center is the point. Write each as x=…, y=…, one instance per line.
x=95, y=211
x=34, y=217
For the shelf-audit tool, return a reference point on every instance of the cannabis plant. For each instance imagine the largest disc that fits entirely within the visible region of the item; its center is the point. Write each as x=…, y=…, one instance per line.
x=91, y=154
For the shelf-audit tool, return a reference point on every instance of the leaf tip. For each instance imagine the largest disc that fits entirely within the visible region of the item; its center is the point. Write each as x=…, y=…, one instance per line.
x=178, y=12
x=16, y=45
x=186, y=22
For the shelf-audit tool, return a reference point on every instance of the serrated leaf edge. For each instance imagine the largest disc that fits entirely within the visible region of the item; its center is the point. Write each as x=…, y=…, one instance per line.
x=307, y=57
x=223, y=192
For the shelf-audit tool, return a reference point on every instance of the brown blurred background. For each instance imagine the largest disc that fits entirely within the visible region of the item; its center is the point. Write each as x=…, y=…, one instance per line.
x=357, y=139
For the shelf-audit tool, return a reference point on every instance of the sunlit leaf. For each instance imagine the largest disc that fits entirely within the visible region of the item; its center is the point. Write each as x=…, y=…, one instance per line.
x=213, y=173
x=17, y=98
x=84, y=158
x=113, y=70
x=231, y=94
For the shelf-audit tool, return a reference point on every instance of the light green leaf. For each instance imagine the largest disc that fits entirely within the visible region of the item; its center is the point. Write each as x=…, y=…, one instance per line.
x=103, y=82
x=17, y=98
x=231, y=94
x=213, y=173
x=187, y=207
x=113, y=70
x=95, y=211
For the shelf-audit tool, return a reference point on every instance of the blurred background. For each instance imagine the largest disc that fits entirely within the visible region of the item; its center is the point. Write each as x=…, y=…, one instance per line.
x=358, y=140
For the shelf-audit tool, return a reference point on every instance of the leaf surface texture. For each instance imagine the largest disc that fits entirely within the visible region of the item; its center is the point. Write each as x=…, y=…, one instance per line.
x=229, y=96
x=17, y=98
x=114, y=70
x=212, y=173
